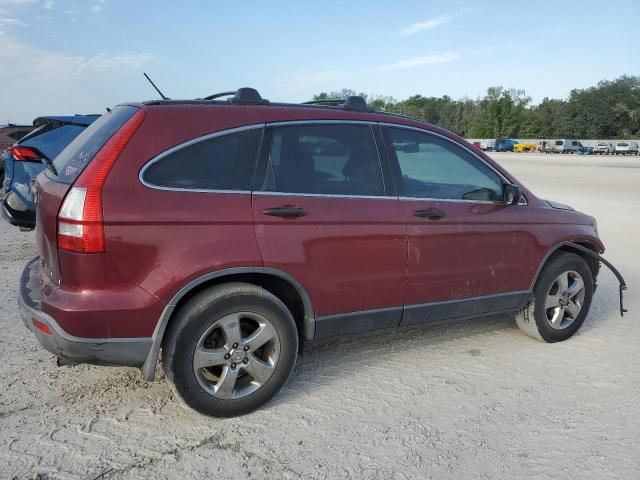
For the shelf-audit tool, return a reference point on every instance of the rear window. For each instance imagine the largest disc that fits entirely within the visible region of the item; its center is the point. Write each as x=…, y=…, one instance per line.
x=51, y=142
x=559, y=142
x=77, y=155
x=622, y=144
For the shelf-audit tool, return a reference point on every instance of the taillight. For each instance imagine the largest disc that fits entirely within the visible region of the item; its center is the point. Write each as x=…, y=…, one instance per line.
x=80, y=221
x=24, y=154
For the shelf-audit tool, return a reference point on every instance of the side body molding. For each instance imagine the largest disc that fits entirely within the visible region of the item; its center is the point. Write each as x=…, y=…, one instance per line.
x=148, y=369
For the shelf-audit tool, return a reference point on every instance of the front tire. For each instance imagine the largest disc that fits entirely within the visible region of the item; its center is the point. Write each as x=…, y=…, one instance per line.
x=230, y=349
x=561, y=299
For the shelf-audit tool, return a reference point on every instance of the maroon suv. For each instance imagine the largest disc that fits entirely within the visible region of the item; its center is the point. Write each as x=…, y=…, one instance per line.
x=227, y=234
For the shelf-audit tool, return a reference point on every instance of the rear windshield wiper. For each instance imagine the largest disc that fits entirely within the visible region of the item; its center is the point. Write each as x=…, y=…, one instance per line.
x=49, y=164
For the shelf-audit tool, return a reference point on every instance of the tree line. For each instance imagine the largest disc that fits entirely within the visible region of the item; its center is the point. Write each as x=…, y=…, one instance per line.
x=609, y=110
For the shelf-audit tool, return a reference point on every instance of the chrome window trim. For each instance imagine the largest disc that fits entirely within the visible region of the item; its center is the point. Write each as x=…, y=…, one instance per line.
x=329, y=195
x=474, y=154
x=451, y=200
x=189, y=143
x=371, y=123
x=285, y=123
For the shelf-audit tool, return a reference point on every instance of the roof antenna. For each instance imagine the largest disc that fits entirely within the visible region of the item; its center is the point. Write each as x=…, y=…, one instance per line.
x=157, y=89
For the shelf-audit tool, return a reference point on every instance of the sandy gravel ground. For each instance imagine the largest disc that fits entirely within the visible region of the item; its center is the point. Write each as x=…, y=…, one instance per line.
x=474, y=400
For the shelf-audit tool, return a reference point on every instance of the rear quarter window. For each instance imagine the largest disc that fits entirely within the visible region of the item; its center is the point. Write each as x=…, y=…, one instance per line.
x=224, y=162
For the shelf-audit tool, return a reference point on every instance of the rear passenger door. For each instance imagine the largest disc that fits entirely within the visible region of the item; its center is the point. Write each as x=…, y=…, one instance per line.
x=468, y=253
x=324, y=212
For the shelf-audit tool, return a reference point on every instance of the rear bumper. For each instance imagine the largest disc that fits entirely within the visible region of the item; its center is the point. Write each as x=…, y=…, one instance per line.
x=130, y=352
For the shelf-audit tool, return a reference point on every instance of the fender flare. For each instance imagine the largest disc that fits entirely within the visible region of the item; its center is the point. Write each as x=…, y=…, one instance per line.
x=597, y=256
x=148, y=368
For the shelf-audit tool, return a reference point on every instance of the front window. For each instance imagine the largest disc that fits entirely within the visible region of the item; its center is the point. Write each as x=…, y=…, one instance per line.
x=433, y=167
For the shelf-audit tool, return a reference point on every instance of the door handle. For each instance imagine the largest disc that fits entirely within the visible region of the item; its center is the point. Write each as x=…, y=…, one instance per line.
x=285, y=212
x=432, y=213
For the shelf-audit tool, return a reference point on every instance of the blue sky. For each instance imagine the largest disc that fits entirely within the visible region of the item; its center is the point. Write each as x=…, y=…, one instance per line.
x=79, y=56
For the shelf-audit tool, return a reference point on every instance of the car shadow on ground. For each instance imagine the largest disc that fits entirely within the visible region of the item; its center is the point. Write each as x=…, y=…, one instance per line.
x=341, y=356
x=332, y=359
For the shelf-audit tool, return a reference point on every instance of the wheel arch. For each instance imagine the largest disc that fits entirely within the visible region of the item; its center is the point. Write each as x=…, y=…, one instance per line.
x=281, y=284
x=570, y=247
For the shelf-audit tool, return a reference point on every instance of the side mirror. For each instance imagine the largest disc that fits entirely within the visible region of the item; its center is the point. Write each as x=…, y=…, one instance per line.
x=510, y=194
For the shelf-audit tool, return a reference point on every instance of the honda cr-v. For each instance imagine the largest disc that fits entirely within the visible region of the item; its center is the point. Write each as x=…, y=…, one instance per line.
x=223, y=235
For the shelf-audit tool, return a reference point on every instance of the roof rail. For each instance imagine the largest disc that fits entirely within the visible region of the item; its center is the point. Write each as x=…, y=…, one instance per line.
x=244, y=95
x=218, y=95
x=326, y=101
x=354, y=102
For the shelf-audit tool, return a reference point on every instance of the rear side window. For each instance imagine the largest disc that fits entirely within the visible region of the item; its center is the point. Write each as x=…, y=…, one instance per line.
x=324, y=159
x=225, y=162
x=77, y=155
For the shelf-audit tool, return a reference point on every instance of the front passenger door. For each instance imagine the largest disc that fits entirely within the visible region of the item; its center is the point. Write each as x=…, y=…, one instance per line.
x=467, y=250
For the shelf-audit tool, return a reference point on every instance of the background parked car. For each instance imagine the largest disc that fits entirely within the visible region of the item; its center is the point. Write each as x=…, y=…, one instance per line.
x=505, y=144
x=548, y=146
x=582, y=150
x=524, y=147
x=9, y=134
x=604, y=148
x=487, y=145
x=24, y=161
x=627, y=148
x=566, y=146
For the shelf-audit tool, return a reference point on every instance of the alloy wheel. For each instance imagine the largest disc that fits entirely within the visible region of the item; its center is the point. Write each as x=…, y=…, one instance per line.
x=564, y=300
x=236, y=355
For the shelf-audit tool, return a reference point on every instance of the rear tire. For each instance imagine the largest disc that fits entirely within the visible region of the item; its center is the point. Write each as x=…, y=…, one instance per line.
x=561, y=299
x=230, y=349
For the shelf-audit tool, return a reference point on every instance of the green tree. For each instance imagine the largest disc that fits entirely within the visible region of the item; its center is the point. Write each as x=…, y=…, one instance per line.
x=611, y=109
